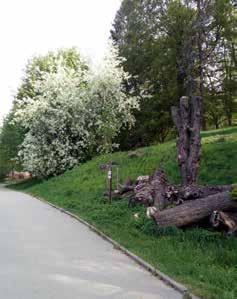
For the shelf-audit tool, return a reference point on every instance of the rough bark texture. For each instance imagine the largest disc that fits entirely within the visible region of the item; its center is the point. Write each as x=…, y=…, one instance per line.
x=188, y=120
x=155, y=191
x=192, y=192
x=159, y=185
x=229, y=220
x=143, y=194
x=193, y=211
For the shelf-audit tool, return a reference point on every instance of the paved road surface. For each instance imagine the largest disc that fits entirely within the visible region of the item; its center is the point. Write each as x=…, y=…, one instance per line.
x=45, y=254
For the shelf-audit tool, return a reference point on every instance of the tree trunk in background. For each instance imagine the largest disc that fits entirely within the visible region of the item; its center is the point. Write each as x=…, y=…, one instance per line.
x=188, y=120
x=229, y=114
x=230, y=121
x=200, y=40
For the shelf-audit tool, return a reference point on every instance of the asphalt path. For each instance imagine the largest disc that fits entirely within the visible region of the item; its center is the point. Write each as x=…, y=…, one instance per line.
x=45, y=254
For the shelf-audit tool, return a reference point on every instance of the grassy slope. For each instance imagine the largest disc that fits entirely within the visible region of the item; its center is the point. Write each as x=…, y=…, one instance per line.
x=205, y=262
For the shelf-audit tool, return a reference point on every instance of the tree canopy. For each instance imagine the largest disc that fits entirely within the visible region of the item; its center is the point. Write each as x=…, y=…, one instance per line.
x=72, y=114
x=169, y=45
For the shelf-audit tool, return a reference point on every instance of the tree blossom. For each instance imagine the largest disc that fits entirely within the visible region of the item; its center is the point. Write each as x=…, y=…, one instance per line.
x=74, y=115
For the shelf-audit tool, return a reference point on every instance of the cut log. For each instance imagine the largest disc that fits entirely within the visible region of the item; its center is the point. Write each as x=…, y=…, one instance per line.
x=192, y=192
x=155, y=191
x=229, y=220
x=159, y=185
x=193, y=211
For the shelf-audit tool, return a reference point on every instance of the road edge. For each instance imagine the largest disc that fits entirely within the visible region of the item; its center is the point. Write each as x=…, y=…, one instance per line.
x=155, y=272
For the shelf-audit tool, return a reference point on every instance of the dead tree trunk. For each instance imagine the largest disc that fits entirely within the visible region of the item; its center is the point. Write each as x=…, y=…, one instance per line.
x=192, y=211
x=188, y=120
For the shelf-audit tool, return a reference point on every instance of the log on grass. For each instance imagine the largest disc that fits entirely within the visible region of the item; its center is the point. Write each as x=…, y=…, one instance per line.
x=193, y=211
x=192, y=192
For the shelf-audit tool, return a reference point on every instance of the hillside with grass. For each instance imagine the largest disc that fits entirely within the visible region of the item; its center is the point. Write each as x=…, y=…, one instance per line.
x=205, y=261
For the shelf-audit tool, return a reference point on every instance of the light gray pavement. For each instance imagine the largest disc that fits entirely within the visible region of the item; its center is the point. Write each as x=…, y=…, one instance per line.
x=45, y=254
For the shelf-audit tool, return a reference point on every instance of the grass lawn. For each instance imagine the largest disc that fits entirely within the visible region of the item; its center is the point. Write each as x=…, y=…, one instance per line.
x=206, y=262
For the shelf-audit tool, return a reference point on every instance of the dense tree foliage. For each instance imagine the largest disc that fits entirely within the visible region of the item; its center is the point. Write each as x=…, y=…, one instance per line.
x=11, y=136
x=72, y=115
x=71, y=58
x=174, y=48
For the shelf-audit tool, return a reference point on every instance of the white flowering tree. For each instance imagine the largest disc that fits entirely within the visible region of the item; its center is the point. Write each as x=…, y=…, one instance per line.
x=74, y=115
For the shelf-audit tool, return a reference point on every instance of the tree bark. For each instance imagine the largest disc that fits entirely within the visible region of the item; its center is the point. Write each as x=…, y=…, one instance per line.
x=159, y=186
x=193, y=192
x=195, y=140
x=188, y=120
x=156, y=191
x=152, y=191
x=229, y=220
x=181, y=120
x=193, y=211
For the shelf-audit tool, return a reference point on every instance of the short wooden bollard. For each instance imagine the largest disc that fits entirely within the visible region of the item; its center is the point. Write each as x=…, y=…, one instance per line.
x=110, y=178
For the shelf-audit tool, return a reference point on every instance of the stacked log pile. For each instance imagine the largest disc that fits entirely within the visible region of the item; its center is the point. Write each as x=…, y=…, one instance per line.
x=180, y=206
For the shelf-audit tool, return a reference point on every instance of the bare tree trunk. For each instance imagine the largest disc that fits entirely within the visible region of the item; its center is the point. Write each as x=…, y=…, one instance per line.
x=188, y=119
x=229, y=118
x=193, y=211
x=195, y=140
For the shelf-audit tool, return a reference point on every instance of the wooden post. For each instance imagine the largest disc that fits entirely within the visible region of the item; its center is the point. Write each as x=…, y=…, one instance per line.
x=110, y=177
